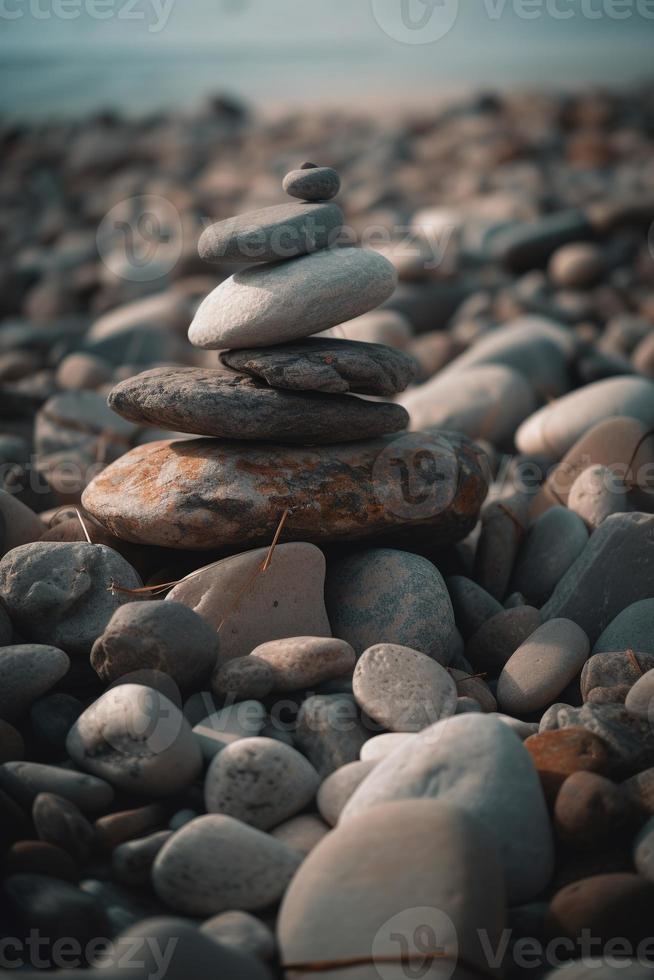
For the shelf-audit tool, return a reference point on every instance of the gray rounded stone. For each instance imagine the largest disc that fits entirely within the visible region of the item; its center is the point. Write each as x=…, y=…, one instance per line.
x=25, y=780
x=553, y=542
x=337, y=789
x=211, y=402
x=632, y=629
x=496, y=641
x=131, y=862
x=137, y=740
x=472, y=605
x=58, y=821
x=609, y=676
x=379, y=746
x=331, y=366
x=552, y=430
x=302, y=833
x=329, y=731
x=60, y=592
x=245, y=719
x=412, y=871
x=402, y=689
x=27, y=671
x=473, y=762
x=272, y=234
x=596, y=494
x=242, y=679
x=303, y=661
x=163, y=636
x=640, y=699
x=242, y=932
x=260, y=781
x=542, y=666
x=267, y=305
x=311, y=183
x=216, y=863
x=381, y=595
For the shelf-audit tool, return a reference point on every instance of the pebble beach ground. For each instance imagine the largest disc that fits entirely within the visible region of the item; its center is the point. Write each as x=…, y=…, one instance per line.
x=327, y=542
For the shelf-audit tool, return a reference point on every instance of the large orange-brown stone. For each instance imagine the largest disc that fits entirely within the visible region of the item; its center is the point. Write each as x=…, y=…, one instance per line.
x=557, y=754
x=205, y=493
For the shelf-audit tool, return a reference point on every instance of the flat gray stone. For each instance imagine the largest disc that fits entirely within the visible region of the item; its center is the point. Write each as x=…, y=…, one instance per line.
x=632, y=629
x=472, y=605
x=272, y=234
x=329, y=731
x=311, y=183
x=402, y=689
x=542, y=667
x=137, y=740
x=260, y=781
x=298, y=662
x=216, y=863
x=332, y=366
x=59, y=592
x=554, y=429
x=615, y=569
x=397, y=879
x=234, y=406
x=27, y=671
x=383, y=595
x=164, y=636
x=284, y=301
x=59, y=822
x=25, y=780
x=552, y=543
x=475, y=763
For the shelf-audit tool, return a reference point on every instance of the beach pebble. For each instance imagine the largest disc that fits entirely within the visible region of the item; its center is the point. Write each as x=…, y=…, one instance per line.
x=60, y=593
x=644, y=850
x=302, y=833
x=37, y=857
x=590, y=810
x=271, y=304
x=596, y=494
x=282, y=231
x=476, y=763
x=472, y=605
x=311, y=183
x=131, y=862
x=542, y=666
x=12, y=743
x=503, y=525
x=137, y=740
x=610, y=574
x=216, y=864
x=80, y=371
x=242, y=932
x=528, y=245
x=337, y=789
x=604, y=906
x=332, y=366
x=125, y=825
x=402, y=689
x=56, y=909
x=299, y=662
x=632, y=629
x=552, y=543
x=640, y=699
x=58, y=821
x=243, y=679
x=629, y=740
x=380, y=595
x=244, y=719
x=25, y=780
x=21, y=525
x=473, y=688
x=211, y=402
x=554, y=429
x=557, y=754
x=486, y=401
x=494, y=643
x=163, y=636
x=406, y=867
x=576, y=266
x=286, y=600
x=609, y=676
x=27, y=671
x=329, y=731
x=232, y=495
x=379, y=746
x=259, y=781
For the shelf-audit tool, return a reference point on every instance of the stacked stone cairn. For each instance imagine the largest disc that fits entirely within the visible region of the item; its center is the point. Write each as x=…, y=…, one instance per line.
x=277, y=389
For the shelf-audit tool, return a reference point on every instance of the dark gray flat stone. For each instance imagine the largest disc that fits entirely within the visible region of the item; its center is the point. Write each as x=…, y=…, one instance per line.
x=333, y=366
x=272, y=234
x=231, y=406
